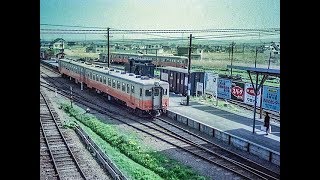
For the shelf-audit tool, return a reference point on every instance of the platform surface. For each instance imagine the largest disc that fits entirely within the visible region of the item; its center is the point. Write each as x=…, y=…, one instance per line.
x=235, y=124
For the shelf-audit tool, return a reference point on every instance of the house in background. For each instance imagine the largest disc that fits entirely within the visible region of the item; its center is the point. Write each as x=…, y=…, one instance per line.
x=97, y=48
x=58, y=44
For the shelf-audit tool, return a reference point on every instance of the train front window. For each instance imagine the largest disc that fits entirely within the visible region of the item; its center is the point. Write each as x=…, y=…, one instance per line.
x=148, y=92
x=156, y=92
x=165, y=91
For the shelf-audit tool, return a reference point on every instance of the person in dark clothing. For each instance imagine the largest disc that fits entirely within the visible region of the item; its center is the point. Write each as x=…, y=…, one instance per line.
x=267, y=122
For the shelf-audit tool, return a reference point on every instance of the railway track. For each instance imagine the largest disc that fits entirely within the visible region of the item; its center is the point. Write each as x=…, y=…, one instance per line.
x=209, y=150
x=194, y=144
x=59, y=160
x=273, y=115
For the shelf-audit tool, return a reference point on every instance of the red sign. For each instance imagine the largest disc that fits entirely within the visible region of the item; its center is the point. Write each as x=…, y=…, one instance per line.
x=237, y=92
x=250, y=91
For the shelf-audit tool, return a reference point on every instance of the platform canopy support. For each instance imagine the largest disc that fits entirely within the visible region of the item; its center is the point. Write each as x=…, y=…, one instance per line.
x=257, y=71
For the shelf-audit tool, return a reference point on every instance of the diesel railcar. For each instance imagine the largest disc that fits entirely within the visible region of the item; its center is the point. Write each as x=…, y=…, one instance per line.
x=143, y=95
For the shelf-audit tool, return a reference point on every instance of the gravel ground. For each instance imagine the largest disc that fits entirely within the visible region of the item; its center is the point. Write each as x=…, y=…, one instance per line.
x=87, y=162
x=203, y=167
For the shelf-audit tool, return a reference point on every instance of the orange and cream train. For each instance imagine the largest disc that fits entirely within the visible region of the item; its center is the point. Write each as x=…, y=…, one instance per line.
x=143, y=95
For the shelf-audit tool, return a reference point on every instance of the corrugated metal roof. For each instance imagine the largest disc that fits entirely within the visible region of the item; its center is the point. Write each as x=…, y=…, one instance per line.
x=177, y=69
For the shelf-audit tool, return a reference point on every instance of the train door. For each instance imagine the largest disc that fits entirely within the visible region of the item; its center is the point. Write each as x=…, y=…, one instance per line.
x=156, y=98
x=132, y=90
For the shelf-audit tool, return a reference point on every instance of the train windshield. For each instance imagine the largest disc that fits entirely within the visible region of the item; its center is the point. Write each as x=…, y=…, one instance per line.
x=156, y=92
x=148, y=92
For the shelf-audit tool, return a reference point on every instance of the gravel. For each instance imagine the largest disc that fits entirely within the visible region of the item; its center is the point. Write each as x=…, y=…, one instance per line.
x=201, y=166
x=89, y=165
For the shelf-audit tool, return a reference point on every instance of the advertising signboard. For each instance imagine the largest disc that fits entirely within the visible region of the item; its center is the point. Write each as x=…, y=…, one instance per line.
x=249, y=95
x=271, y=98
x=211, y=81
x=224, y=88
x=237, y=91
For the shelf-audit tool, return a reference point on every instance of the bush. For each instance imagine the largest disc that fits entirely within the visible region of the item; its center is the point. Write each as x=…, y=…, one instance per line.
x=163, y=166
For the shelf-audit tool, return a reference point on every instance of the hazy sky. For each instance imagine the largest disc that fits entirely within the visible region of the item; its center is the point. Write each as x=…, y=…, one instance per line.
x=162, y=14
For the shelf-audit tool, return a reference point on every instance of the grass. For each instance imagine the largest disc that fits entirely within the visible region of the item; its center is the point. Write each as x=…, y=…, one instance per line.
x=212, y=62
x=148, y=160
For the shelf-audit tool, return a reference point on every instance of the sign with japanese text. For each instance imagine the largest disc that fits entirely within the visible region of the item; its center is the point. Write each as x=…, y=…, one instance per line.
x=271, y=98
x=224, y=88
x=211, y=82
x=237, y=91
x=249, y=95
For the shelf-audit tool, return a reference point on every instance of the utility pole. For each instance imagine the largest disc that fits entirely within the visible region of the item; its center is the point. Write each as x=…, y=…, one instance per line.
x=255, y=61
x=269, y=59
x=189, y=75
x=108, y=49
x=231, y=56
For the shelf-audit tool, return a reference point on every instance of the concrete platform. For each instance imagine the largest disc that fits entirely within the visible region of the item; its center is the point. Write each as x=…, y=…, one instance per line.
x=230, y=127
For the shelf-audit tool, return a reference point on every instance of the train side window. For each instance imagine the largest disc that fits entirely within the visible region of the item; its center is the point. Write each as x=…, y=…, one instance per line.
x=94, y=76
x=118, y=84
x=124, y=87
x=90, y=75
x=132, y=88
x=113, y=83
x=100, y=78
x=148, y=92
x=109, y=82
x=104, y=80
x=156, y=92
x=128, y=88
x=140, y=91
x=97, y=78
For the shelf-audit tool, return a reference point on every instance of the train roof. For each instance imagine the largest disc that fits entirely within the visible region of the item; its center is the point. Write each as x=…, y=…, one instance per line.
x=182, y=70
x=52, y=62
x=150, y=55
x=120, y=74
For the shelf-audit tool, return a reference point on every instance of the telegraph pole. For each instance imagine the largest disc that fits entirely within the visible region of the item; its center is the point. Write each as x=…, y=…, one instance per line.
x=231, y=56
x=108, y=49
x=269, y=60
x=189, y=75
x=255, y=62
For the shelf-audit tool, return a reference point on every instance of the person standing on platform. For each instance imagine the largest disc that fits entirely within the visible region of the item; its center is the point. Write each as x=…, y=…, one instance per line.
x=267, y=122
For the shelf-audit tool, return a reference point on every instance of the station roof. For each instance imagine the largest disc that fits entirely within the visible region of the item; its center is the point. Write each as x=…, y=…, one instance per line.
x=266, y=71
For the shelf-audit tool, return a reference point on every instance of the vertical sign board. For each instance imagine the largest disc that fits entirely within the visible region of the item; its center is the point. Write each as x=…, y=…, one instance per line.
x=199, y=88
x=224, y=88
x=271, y=98
x=164, y=76
x=249, y=95
x=237, y=91
x=211, y=81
